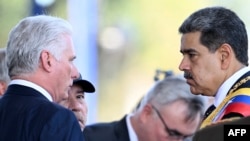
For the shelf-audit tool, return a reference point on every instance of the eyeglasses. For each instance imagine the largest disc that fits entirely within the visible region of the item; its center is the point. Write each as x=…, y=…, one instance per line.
x=174, y=134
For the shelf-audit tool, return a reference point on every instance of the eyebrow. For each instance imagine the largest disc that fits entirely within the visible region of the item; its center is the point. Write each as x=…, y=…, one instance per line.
x=188, y=51
x=80, y=91
x=176, y=132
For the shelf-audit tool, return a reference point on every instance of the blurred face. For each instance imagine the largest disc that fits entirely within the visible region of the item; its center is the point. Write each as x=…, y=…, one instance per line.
x=65, y=71
x=167, y=124
x=202, y=69
x=76, y=103
x=3, y=87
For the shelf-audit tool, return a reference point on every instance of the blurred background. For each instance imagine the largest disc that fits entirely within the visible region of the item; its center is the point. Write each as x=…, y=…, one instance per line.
x=120, y=44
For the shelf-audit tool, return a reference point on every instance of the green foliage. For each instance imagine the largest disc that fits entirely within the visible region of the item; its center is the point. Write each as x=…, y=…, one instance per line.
x=11, y=11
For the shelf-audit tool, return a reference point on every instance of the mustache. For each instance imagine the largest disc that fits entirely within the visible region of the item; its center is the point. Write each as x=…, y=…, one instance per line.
x=188, y=75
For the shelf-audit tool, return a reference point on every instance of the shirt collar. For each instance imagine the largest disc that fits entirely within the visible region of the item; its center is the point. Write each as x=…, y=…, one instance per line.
x=32, y=85
x=224, y=88
x=131, y=131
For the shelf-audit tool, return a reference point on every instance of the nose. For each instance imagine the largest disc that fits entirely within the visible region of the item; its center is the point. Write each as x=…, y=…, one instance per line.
x=184, y=65
x=181, y=66
x=75, y=74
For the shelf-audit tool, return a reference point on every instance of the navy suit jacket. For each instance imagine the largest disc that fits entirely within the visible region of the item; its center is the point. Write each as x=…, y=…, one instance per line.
x=27, y=115
x=113, y=131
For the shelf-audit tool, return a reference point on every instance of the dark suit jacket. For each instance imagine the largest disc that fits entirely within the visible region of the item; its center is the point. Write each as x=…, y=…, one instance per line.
x=113, y=131
x=216, y=132
x=26, y=115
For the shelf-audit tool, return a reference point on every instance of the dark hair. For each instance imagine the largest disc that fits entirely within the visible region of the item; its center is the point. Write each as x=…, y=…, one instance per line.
x=219, y=25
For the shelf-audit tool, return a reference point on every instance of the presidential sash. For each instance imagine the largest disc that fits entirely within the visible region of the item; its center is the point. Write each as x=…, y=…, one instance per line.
x=237, y=101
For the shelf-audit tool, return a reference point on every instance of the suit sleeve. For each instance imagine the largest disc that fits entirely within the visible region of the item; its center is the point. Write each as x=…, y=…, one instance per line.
x=63, y=126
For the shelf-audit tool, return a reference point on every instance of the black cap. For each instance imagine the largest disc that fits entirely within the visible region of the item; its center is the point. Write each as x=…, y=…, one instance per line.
x=86, y=85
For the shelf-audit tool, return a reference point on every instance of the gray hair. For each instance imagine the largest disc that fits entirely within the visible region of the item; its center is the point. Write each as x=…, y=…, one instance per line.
x=3, y=67
x=30, y=37
x=171, y=89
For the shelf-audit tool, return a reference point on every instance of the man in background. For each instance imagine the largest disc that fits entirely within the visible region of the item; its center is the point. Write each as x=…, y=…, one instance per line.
x=76, y=100
x=167, y=112
x=4, y=76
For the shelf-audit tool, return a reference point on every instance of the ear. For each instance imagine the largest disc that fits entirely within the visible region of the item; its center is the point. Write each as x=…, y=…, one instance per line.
x=46, y=60
x=146, y=112
x=225, y=52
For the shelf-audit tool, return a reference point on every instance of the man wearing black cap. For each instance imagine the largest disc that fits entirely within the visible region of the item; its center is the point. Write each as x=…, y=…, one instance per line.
x=76, y=100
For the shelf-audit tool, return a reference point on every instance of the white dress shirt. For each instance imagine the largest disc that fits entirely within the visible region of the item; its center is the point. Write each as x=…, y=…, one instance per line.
x=131, y=131
x=32, y=85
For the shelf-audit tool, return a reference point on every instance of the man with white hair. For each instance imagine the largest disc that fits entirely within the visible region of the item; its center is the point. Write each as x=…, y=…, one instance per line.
x=40, y=55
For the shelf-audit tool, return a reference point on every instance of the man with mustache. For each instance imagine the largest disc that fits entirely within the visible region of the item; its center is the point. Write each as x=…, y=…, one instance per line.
x=76, y=100
x=214, y=45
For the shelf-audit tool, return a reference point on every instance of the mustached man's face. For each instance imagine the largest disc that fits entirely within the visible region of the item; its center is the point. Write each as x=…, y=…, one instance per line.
x=202, y=68
x=76, y=103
